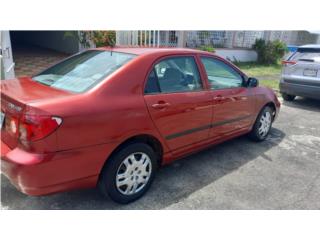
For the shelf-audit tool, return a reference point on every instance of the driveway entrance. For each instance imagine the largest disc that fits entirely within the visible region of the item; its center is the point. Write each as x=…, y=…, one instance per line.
x=30, y=60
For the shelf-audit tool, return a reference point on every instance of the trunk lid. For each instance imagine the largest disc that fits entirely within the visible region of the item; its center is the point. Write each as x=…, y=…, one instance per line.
x=16, y=94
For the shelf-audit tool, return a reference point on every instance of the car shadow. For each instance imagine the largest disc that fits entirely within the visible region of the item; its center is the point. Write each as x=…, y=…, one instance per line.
x=172, y=183
x=304, y=104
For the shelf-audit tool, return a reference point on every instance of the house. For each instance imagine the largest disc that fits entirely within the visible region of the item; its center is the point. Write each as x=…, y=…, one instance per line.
x=28, y=52
x=234, y=45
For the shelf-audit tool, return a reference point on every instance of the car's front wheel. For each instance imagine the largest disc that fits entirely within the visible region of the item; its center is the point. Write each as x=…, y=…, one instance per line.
x=128, y=173
x=288, y=97
x=262, y=125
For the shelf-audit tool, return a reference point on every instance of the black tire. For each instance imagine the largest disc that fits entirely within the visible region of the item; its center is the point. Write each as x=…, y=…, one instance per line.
x=107, y=181
x=254, y=134
x=288, y=97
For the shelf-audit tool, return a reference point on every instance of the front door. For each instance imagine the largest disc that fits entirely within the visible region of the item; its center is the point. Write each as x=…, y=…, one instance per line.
x=233, y=103
x=6, y=58
x=177, y=102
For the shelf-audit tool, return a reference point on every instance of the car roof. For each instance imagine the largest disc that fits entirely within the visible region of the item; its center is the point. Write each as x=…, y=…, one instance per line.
x=151, y=50
x=317, y=46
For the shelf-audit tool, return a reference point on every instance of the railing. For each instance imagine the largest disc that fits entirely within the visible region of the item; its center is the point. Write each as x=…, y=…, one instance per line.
x=151, y=38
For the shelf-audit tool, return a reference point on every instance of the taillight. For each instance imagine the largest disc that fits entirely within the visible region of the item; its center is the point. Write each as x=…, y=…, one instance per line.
x=288, y=63
x=35, y=127
x=12, y=125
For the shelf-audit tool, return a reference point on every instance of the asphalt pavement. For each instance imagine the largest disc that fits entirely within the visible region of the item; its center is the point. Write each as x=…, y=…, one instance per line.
x=282, y=172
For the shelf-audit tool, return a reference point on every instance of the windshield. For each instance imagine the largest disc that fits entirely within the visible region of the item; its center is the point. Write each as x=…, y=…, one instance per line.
x=82, y=71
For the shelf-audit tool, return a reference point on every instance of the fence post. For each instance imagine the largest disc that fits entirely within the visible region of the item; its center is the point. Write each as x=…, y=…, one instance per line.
x=182, y=38
x=166, y=42
x=234, y=33
x=132, y=35
x=136, y=40
x=117, y=38
x=244, y=38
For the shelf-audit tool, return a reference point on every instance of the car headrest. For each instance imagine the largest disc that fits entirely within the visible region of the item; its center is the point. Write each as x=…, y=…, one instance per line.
x=172, y=74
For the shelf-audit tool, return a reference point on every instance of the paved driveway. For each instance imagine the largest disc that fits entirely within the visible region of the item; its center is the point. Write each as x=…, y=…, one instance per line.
x=31, y=60
x=280, y=173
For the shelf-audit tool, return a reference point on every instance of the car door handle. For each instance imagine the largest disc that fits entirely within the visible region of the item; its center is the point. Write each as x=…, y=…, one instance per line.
x=218, y=98
x=160, y=105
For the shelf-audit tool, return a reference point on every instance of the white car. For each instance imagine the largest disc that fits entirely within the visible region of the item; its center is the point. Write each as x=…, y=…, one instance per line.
x=301, y=73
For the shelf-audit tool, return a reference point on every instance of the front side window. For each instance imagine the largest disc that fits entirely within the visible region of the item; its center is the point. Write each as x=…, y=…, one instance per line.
x=220, y=75
x=82, y=71
x=176, y=74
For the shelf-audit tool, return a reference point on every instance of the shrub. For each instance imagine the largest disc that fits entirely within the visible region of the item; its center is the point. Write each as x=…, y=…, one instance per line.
x=269, y=52
x=104, y=38
x=99, y=38
x=207, y=48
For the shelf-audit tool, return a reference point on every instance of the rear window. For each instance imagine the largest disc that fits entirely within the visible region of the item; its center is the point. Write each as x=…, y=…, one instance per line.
x=306, y=55
x=83, y=71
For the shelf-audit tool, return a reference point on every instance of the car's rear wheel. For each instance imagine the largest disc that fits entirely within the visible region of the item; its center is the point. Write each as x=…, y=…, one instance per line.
x=288, y=97
x=262, y=125
x=128, y=173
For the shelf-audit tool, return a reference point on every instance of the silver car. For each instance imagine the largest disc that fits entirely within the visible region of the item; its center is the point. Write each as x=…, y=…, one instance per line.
x=301, y=73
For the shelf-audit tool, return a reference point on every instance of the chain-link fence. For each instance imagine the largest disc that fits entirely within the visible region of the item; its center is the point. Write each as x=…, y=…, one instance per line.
x=215, y=39
x=293, y=37
x=223, y=39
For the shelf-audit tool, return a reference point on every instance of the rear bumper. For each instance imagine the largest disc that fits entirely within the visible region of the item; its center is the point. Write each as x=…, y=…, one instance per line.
x=300, y=90
x=41, y=174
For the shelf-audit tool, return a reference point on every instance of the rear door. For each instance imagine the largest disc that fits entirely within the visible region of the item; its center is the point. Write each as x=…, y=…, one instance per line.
x=177, y=101
x=233, y=104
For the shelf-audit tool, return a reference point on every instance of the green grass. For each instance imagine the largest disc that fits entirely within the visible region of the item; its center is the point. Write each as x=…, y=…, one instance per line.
x=268, y=75
x=274, y=84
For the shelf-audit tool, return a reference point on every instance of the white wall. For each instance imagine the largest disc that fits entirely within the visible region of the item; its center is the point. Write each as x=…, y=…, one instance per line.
x=6, y=59
x=241, y=55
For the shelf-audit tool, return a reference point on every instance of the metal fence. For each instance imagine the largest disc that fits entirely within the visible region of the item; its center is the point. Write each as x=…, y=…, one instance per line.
x=223, y=39
x=151, y=38
x=216, y=39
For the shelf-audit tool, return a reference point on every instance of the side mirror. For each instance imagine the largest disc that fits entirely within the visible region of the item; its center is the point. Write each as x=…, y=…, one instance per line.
x=252, y=82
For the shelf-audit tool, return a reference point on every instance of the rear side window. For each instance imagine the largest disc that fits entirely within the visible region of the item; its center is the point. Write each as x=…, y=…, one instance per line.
x=221, y=75
x=175, y=74
x=83, y=71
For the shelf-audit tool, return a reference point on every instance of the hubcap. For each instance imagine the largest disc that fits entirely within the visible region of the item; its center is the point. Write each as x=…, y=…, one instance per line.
x=133, y=173
x=265, y=123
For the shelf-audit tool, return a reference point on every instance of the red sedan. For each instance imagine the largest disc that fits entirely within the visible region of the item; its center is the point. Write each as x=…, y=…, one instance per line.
x=110, y=117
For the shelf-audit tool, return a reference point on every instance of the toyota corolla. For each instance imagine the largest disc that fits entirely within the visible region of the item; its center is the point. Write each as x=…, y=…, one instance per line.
x=109, y=117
